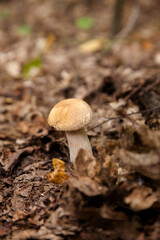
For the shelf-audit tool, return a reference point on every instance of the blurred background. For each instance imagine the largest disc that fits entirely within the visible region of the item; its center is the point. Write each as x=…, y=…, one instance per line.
x=56, y=49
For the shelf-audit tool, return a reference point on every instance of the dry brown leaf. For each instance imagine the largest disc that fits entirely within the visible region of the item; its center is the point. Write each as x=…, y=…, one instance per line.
x=1, y=198
x=141, y=198
x=82, y=200
x=19, y=214
x=58, y=164
x=13, y=68
x=43, y=234
x=15, y=158
x=147, y=164
x=59, y=175
x=109, y=171
x=3, y=231
x=60, y=224
x=91, y=46
x=140, y=150
x=86, y=165
x=49, y=42
x=108, y=213
x=84, y=185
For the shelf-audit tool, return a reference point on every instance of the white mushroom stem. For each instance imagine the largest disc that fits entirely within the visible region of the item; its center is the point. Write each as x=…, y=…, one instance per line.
x=77, y=140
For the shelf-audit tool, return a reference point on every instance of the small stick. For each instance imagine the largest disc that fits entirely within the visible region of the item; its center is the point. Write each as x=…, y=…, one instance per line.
x=134, y=91
x=116, y=118
x=131, y=22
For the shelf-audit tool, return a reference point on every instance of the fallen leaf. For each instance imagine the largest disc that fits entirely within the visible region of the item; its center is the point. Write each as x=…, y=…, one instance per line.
x=2, y=232
x=43, y=233
x=84, y=185
x=86, y=165
x=1, y=198
x=147, y=45
x=147, y=164
x=140, y=150
x=108, y=213
x=49, y=42
x=91, y=46
x=58, y=164
x=19, y=214
x=13, y=68
x=15, y=158
x=59, y=175
x=157, y=58
x=141, y=198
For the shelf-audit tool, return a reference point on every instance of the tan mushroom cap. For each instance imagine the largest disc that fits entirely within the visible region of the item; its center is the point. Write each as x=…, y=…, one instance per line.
x=70, y=115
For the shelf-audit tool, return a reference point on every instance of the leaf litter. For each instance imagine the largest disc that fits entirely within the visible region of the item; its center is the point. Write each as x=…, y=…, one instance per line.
x=113, y=195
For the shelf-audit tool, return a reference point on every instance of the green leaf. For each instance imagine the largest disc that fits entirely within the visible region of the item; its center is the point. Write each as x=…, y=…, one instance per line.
x=84, y=23
x=24, y=30
x=34, y=63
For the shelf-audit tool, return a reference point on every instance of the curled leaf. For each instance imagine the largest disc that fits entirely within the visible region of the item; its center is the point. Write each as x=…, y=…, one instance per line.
x=58, y=175
x=58, y=165
x=140, y=150
x=148, y=164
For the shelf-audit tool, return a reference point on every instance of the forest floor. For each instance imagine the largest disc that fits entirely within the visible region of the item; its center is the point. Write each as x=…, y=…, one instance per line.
x=45, y=58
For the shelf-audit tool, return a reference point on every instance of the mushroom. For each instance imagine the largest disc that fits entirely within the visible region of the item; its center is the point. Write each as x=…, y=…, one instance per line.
x=72, y=115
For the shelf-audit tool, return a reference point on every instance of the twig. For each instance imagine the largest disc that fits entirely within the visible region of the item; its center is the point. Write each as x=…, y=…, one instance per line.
x=149, y=87
x=116, y=118
x=135, y=90
x=131, y=23
x=119, y=6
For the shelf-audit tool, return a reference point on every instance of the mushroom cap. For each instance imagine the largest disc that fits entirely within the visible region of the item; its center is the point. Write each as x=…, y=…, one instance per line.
x=70, y=115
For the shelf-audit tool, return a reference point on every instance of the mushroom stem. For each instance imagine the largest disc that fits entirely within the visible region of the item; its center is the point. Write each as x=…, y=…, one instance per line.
x=77, y=140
